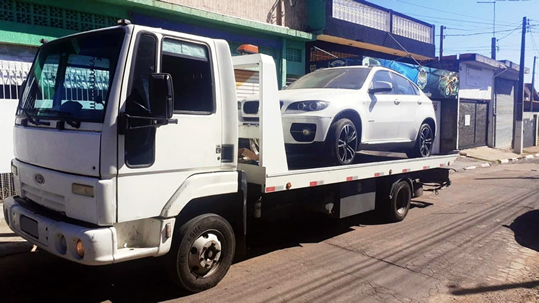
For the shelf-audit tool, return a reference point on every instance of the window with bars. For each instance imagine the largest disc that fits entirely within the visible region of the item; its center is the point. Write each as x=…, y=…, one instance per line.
x=293, y=55
x=51, y=16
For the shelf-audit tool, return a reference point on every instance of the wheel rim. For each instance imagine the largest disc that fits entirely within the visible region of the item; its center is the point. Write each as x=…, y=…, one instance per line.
x=205, y=254
x=347, y=144
x=425, y=141
x=402, y=202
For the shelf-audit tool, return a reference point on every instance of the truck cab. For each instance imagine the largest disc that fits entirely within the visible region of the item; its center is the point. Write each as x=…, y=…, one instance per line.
x=111, y=126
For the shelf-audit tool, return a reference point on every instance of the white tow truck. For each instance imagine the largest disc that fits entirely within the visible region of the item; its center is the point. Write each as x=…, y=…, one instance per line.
x=126, y=146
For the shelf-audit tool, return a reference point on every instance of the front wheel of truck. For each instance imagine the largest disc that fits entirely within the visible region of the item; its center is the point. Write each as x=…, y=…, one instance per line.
x=201, y=253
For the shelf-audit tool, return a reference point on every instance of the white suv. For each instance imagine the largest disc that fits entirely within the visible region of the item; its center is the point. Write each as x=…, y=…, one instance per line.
x=341, y=110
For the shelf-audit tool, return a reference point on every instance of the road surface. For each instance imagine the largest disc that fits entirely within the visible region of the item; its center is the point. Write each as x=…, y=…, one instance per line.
x=477, y=241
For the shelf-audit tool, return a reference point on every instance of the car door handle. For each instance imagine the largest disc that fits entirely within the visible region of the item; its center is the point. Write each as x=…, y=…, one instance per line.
x=419, y=102
x=397, y=102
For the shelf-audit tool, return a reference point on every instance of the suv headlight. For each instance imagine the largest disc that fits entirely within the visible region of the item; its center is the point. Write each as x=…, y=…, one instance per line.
x=308, y=106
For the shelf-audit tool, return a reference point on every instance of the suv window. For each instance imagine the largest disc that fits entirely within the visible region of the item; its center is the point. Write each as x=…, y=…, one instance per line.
x=404, y=86
x=190, y=68
x=385, y=76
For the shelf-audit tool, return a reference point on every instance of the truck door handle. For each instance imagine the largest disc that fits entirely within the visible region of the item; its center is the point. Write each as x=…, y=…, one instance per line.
x=397, y=102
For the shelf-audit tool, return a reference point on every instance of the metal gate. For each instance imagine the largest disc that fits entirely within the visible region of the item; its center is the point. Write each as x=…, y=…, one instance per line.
x=472, y=123
x=529, y=135
x=505, y=100
x=12, y=74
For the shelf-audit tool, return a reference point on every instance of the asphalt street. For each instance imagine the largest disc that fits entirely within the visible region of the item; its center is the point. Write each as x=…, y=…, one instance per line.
x=477, y=241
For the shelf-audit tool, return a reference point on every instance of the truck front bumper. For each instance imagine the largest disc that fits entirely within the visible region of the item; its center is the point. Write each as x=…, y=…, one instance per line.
x=58, y=237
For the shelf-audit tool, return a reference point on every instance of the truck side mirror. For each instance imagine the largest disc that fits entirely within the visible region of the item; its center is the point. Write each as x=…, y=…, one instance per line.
x=161, y=95
x=380, y=87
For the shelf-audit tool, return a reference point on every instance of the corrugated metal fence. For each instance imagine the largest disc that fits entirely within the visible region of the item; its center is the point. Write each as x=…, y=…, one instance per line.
x=12, y=75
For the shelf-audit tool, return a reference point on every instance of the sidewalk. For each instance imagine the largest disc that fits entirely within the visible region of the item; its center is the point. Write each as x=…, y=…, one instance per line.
x=11, y=244
x=485, y=156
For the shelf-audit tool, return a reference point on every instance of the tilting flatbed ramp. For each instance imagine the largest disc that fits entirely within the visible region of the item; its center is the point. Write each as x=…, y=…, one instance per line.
x=337, y=174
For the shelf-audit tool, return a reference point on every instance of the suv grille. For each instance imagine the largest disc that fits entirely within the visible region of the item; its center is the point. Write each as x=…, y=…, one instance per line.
x=250, y=107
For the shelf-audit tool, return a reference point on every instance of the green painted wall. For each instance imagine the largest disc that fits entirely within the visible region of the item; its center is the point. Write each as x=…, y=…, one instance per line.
x=317, y=15
x=296, y=68
x=26, y=22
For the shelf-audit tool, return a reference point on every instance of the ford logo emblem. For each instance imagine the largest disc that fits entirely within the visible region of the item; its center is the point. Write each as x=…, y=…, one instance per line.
x=39, y=179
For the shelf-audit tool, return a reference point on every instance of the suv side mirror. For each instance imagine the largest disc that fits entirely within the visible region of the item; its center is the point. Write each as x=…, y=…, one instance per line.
x=381, y=87
x=161, y=95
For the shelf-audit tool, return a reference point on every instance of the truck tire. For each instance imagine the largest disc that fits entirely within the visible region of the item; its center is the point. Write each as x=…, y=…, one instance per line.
x=399, y=204
x=341, y=142
x=202, y=252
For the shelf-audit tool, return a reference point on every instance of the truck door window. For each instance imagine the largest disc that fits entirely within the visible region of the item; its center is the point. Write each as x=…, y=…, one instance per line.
x=140, y=142
x=190, y=68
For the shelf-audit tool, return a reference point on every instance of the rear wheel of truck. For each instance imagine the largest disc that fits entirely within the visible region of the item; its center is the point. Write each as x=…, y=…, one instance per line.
x=202, y=252
x=399, y=204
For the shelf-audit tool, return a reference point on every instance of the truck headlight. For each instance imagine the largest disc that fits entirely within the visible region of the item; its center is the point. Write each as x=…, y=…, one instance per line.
x=308, y=106
x=14, y=169
x=83, y=190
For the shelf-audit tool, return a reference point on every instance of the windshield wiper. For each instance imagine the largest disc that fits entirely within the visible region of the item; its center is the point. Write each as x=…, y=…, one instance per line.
x=34, y=120
x=63, y=118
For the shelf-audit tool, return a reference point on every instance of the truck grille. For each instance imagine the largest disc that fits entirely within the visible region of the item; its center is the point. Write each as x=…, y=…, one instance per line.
x=44, y=198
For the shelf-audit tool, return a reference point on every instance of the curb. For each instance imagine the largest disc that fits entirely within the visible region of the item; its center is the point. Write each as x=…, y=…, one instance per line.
x=526, y=157
x=477, y=166
x=490, y=163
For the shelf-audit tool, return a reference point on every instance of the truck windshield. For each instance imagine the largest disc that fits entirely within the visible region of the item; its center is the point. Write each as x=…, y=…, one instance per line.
x=346, y=78
x=70, y=78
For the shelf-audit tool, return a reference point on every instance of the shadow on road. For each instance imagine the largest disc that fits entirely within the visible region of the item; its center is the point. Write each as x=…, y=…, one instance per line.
x=308, y=228
x=40, y=276
x=526, y=229
x=483, y=289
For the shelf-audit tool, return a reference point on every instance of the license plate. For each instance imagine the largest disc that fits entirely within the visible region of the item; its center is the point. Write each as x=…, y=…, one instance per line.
x=29, y=226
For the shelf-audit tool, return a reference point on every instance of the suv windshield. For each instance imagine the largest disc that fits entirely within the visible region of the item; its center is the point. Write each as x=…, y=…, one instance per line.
x=347, y=78
x=70, y=78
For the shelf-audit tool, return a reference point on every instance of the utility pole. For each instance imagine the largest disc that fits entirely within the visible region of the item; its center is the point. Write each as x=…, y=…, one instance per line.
x=441, y=41
x=493, y=40
x=519, y=101
x=533, y=84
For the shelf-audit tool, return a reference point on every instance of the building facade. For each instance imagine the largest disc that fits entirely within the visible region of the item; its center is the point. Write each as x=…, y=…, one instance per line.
x=23, y=23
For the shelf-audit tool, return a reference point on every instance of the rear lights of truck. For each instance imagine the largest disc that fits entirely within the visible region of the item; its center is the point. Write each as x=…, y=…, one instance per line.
x=83, y=190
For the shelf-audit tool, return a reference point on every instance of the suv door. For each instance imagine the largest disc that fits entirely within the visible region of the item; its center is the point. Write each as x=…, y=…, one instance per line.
x=409, y=101
x=382, y=123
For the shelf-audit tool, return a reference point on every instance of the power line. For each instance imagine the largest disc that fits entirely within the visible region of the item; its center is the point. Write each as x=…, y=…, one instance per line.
x=509, y=33
x=533, y=43
x=443, y=11
x=480, y=33
x=457, y=21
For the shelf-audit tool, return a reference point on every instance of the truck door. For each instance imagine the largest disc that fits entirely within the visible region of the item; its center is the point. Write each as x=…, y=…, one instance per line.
x=154, y=161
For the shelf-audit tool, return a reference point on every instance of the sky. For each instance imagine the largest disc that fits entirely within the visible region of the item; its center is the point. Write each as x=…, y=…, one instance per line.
x=469, y=26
